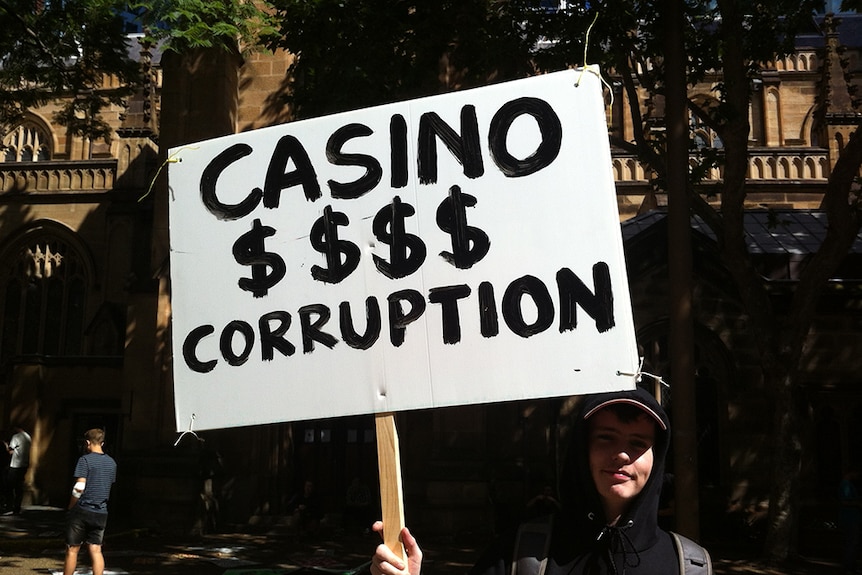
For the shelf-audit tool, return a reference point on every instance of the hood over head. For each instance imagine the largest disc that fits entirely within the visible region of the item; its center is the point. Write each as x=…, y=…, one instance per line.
x=578, y=493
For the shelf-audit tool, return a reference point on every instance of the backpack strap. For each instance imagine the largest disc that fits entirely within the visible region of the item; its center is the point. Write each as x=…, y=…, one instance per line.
x=531, y=546
x=693, y=559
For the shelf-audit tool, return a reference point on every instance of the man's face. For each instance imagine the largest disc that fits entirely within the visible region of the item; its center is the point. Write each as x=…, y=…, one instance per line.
x=621, y=458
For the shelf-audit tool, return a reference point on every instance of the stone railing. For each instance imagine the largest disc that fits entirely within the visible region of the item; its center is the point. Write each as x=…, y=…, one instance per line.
x=100, y=175
x=763, y=165
x=58, y=176
x=801, y=61
x=767, y=164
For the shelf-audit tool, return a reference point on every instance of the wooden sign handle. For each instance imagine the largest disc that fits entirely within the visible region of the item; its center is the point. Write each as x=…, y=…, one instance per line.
x=391, y=496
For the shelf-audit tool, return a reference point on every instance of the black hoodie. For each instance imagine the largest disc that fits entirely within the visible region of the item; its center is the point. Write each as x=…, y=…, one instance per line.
x=582, y=542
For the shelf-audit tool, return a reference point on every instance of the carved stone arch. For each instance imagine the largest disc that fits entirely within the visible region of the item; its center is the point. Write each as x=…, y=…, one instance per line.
x=774, y=137
x=808, y=133
x=125, y=154
x=758, y=169
x=701, y=139
x=798, y=170
x=811, y=168
x=631, y=166
x=772, y=171
x=32, y=138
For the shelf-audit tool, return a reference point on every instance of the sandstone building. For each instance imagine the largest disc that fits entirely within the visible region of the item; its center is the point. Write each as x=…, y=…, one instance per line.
x=85, y=314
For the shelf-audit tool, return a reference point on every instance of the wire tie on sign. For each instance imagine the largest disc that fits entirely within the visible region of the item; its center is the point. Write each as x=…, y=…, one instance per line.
x=189, y=431
x=640, y=373
x=593, y=68
x=657, y=378
x=172, y=159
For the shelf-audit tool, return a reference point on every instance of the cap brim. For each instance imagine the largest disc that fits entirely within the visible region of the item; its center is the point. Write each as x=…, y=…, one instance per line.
x=630, y=401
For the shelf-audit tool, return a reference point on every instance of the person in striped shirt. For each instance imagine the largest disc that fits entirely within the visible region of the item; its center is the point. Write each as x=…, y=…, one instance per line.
x=95, y=473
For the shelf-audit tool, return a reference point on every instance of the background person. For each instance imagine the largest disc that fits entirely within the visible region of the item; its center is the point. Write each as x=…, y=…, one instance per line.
x=305, y=510
x=357, y=502
x=95, y=473
x=18, y=449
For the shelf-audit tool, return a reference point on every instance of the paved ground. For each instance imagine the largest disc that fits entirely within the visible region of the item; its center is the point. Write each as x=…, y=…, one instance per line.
x=32, y=543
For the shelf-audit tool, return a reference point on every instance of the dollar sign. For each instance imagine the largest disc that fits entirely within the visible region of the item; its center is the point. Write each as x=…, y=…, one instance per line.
x=469, y=244
x=324, y=238
x=406, y=251
x=248, y=250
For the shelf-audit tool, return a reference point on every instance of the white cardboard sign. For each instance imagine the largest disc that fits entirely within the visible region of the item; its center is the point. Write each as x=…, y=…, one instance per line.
x=449, y=250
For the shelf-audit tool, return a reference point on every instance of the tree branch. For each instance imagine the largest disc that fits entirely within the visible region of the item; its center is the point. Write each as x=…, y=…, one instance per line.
x=57, y=64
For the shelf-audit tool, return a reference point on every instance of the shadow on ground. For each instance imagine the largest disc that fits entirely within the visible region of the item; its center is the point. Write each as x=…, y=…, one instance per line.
x=32, y=543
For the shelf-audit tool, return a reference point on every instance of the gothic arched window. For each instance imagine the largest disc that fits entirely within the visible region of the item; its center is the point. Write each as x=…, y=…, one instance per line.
x=30, y=142
x=703, y=135
x=44, y=289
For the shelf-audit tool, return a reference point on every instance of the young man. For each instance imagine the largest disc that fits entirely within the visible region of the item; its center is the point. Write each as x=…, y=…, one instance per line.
x=610, y=485
x=95, y=473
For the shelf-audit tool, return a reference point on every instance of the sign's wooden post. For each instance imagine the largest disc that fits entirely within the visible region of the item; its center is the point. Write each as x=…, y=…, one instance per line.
x=391, y=496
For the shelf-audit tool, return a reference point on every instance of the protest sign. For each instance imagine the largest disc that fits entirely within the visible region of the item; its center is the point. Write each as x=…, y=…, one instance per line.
x=455, y=249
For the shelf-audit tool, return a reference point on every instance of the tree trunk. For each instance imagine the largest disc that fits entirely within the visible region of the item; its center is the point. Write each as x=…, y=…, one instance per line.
x=680, y=273
x=777, y=367
x=782, y=533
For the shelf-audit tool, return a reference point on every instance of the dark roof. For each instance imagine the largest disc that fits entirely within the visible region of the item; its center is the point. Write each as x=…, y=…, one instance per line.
x=774, y=232
x=849, y=32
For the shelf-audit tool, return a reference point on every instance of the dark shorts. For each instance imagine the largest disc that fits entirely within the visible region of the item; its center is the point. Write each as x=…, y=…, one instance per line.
x=83, y=526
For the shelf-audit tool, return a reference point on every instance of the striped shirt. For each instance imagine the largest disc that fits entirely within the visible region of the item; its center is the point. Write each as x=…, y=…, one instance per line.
x=100, y=471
